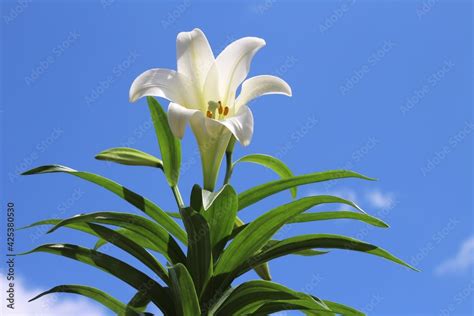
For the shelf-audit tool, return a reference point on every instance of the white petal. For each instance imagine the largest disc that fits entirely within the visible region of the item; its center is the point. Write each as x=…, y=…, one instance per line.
x=261, y=85
x=194, y=56
x=178, y=117
x=164, y=83
x=231, y=67
x=240, y=124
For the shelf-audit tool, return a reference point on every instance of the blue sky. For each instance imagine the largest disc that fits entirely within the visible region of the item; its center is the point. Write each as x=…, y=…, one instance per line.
x=383, y=88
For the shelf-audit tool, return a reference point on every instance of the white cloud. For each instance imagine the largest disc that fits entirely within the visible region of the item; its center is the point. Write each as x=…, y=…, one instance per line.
x=461, y=262
x=373, y=199
x=379, y=199
x=347, y=194
x=48, y=305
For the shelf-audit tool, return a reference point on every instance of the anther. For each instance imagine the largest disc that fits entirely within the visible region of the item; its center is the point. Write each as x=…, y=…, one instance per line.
x=209, y=114
x=226, y=110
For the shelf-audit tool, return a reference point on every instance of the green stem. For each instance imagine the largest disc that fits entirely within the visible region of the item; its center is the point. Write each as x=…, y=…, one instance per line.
x=177, y=196
x=228, y=160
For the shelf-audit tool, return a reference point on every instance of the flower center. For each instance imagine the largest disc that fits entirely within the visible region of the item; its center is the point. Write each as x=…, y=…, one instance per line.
x=216, y=110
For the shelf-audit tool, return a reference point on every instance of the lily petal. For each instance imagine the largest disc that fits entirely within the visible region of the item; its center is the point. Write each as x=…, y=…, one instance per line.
x=194, y=56
x=164, y=83
x=232, y=67
x=240, y=124
x=178, y=117
x=261, y=85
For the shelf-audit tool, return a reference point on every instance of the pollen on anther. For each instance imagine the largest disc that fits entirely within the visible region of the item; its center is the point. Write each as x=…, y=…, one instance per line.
x=209, y=114
x=226, y=110
x=220, y=109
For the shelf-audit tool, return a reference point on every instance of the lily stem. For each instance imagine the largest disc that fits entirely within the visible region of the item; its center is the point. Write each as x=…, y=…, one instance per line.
x=228, y=160
x=177, y=196
x=228, y=170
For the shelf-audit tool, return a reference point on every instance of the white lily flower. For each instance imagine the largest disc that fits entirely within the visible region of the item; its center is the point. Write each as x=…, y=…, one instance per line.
x=203, y=92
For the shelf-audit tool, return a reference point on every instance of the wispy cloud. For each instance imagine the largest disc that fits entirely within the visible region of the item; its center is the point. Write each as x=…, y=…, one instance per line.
x=49, y=305
x=461, y=262
x=373, y=199
x=380, y=199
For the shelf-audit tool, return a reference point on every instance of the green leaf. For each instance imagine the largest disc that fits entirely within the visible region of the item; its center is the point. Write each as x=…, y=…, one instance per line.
x=221, y=217
x=199, y=257
x=130, y=157
x=97, y=295
x=138, y=238
x=305, y=253
x=184, y=292
x=170, y=146
x=342, y=309
x=154, y=233
x=321, y=216
x=77, y=226
x=285, y=305
x=133, y=198
x=263, y=270
x=196, y=200
x=132, y=248
x=249, y=296
x=125, y=272
x=257, y=233
x=260, y=192
x=138, y=303
x=316, y=241
x=275, y=164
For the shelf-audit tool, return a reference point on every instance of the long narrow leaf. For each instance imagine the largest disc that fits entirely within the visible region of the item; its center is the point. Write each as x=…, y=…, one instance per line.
x=154, y=233
x=125, y=272
x=342, y=309
x=262, y=191
x=317, y=241
x=97, y=295
x=221, y=217
x=170, y=146
x=138, y=303
x=132, y=248
x=130, y=157
x=256, y=234
x=322, y=216
x=249, y=296
x=263, y=270
x=270, y=162
x=184, y=292
x=133, y=198
x=199, y=257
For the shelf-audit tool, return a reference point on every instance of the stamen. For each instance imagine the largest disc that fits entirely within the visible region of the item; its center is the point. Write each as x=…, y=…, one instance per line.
x=209, y=114
x=226, y=110
x=220, y=109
